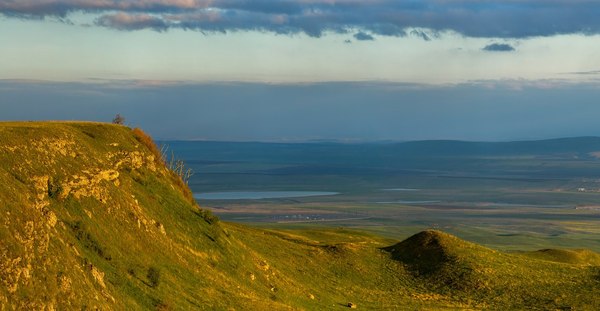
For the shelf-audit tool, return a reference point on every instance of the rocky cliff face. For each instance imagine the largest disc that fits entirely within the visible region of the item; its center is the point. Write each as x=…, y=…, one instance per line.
x=91, y=218
x=58, y=182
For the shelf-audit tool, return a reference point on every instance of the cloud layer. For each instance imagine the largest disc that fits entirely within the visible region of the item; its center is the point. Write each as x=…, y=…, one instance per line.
x=473, y=18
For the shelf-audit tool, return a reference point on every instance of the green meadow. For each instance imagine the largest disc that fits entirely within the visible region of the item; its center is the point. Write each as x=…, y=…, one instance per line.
x=92, y=216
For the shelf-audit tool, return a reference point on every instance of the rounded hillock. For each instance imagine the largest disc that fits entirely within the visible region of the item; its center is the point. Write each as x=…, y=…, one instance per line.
x=441, y=258
x=570, y=256
x=427, y=250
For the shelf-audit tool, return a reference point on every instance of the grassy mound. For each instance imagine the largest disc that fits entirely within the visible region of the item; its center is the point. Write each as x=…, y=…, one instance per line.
x=573, y=256
x=441, y=259
x=429, y=251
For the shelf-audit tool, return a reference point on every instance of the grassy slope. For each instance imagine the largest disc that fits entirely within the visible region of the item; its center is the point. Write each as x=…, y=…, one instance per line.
x=89, y=218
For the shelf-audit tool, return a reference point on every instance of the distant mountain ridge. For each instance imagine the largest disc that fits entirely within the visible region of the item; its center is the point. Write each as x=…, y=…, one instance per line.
x=547, y=146
x=573, y=146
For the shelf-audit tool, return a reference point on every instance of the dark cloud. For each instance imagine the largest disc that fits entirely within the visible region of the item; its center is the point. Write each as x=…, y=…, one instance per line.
x=473, y=18
x=363, y=36
x=420, y=34
x=499, y=47
x=122, y=21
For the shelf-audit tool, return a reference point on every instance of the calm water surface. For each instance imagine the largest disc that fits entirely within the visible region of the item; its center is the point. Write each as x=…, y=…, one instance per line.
x=257, y=195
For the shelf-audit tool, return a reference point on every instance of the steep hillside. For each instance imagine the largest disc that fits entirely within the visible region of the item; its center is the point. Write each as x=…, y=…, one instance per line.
x=90, y=218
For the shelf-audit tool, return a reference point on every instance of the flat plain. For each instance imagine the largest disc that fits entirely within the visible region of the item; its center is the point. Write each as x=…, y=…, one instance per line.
x=508, y=196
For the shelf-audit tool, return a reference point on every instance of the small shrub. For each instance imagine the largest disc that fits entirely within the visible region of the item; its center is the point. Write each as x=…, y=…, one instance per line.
x=54, y=188
x=18, y=177
x=153, y=276
x=118, y=119
x=131, y=272
x=208, y=216
x=160, y=305
x=87, y=240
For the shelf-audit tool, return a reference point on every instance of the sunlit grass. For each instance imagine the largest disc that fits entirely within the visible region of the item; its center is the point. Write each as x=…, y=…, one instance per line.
x=135, y=241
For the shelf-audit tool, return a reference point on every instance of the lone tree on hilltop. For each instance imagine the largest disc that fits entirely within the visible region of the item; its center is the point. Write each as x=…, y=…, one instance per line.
x=118, y=119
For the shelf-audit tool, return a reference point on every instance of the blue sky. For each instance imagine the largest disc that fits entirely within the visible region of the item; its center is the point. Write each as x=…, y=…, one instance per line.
x=295, y=70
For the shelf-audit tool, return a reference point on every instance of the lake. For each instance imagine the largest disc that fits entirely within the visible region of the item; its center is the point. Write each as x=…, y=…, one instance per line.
x=258, y=195
x=408, y=202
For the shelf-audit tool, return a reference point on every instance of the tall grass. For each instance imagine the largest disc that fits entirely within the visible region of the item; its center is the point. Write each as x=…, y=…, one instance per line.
x=147, y=141
x=180, y=175
x=175, y=165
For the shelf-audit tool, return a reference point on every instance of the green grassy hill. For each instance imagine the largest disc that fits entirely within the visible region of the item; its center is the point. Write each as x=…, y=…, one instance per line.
x=91, y=218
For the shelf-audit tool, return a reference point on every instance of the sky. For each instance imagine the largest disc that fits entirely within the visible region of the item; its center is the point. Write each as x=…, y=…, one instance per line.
x=296, y=70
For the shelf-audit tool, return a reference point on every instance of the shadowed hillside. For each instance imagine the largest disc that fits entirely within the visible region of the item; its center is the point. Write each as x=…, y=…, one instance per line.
x=91, y=218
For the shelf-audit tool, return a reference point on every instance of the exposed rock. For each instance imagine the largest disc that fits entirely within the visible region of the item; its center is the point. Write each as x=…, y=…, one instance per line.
x=51, y=218
x=264, y=265
x=47, y=170
x=98, y=276
x=132, y=160
x=40, y=184
x=11, y=271
x=53, y=147
x=160, y=227
x=64, y=283
x=89, y=185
